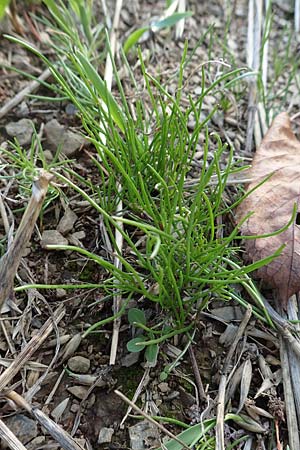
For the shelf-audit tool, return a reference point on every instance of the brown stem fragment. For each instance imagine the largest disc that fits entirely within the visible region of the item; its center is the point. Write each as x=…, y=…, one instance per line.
x=64, y=439
x=10, y=261
x=28, y=350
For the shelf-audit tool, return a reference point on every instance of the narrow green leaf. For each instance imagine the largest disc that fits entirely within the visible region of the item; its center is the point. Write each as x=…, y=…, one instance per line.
x=136, y=344
x=170, y=21
x=3, y=5
x=136, y=315
x=190, y=436
x=151, y=353
x=58, y=14
x=133, y=38
x=102, y=90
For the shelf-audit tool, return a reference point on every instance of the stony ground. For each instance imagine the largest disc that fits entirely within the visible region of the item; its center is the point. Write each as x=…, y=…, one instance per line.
x=91, y=412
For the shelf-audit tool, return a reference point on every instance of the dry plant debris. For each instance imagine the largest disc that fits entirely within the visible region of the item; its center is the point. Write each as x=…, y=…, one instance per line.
x=277, y=160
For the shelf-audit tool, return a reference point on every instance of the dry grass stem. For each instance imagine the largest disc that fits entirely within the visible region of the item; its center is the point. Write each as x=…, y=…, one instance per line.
x=108, y=76
x=150, y=419
x=29, y=89
x=220, y=441
x=10, y=261
x=197, y=374
x=30, y=348
x=297, y=16
x=9, y=438
x=253, y=48
x=291, y=413
x=142, y=384
x=62, y=437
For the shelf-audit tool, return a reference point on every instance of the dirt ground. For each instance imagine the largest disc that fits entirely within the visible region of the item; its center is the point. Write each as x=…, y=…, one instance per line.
x=90, y=411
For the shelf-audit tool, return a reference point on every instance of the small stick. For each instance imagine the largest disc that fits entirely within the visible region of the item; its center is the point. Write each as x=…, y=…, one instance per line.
x=197, y=374
x=10, y=439
x=35, y=342
x=31, y=87
x=253, y=48
x=10, y=261
x=179, y=28
x=291, y=414
x=144, y=381
x=117, y=297
x=220, y=442
x=62, y=437
x=108, y=76
x=297, y=16
x=150, y=419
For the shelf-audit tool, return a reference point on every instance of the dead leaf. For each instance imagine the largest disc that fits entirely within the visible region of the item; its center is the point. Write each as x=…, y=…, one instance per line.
x=245, y=384
x=272, y=205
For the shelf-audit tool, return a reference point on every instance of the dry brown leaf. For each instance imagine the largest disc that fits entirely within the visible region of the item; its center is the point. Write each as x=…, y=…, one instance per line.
x=272, y=205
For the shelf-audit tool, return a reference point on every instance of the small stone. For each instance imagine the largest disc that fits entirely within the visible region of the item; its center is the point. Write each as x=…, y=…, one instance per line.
x=79, y=392
x=36, y=443
x=22, y=110
x=67, y=222
x=48, y=155
x=105, y=435
x=81, y=442
x=52, y=237
x=143, y=435
x=58, y=411
x=67, y=140
x=74, y=408
x=130, y=359
x=79, y=364
x=75, y=238
x=199, y=154
x=23, y=428
x=21, y=130
x=163, y=387
x=61, y=293
x=71, y=109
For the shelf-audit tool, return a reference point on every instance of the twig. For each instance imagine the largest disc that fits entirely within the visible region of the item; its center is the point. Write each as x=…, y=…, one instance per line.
x=10, y=439
x=4, y=215
x=150, y=419
x=31, y=87
x=220, y=443
x=267, y=26
x=297, y=16
x=108, y=75
x=30, y=348
x=10, y=261
x=253, y=48
x=62, y=437
x=144, y=381
x=293, y=358
x=179, y=28
x=291, y=414
x=117, y=296
x=197, y=374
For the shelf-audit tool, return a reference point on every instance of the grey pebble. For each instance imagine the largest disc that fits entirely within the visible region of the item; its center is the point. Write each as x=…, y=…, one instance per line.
x=24, y=429
x=58, y=136
x=67, y=222
x=105, y=435
x=52, y=237
x=21, y=130
x=79, y=364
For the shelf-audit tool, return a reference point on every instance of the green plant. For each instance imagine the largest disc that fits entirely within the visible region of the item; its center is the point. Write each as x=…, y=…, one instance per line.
x=166, y=22
x=137, y=319
x=3, y=5
x=177, y=258
x=24, y=165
